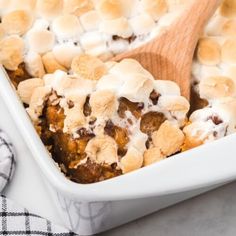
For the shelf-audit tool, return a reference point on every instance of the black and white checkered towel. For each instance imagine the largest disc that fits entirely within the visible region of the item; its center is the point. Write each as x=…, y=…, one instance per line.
x=14, y=219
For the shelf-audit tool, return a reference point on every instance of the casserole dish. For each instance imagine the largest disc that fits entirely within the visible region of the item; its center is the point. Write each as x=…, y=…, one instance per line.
x=93, y=208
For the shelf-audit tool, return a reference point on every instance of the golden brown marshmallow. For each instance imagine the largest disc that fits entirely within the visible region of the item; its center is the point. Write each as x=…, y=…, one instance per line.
x=132, y=160
x=102, y=149
x=208, y=52
x=88, y=67
x=228, y=8
x=155, y=8
x=229, y=28
x=152, y=155
x=110, y=9
x=216, y=87
x=17, y=22
x=49, y=9
x=168, y=138
x=51, y=64
x=103, y=103
x=26, y=88
x=11, y=52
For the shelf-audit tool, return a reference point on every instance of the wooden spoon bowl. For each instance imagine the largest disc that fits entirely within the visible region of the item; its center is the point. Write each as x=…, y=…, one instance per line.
x=170, y=55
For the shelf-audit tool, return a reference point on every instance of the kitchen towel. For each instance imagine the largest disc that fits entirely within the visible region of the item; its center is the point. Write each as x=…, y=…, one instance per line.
x=14, y=219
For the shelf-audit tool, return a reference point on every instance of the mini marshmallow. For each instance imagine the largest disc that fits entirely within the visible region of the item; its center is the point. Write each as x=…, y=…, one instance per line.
x=90, y=20
x=64, y=53
x=67, y=27
x=119, y=26
x=132, y=160
x=17, y=22
x=11, y=52
x=165, y=87
x=34, y=65
x=110, y=9
x=216, y=87
x=40, y=41
x=51, y=64
x=49, y=9
x=228, y=8
x=142, y=24
x=228, y=51
x=136, y=88
x=155, y=8
x=208, y=51
x=229, y=28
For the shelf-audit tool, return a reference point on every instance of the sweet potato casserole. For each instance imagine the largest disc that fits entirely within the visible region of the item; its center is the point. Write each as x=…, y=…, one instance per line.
x=100, y=119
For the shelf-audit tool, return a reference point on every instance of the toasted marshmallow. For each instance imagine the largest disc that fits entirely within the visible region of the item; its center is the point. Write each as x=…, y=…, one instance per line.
x=49, y=9
x=88, y=67
x=11, y=52
x=26, y=88
x=228, y=51
x=34, y=65
x=130, y=8
x=178, y=106
x=127, y=67
x=216, y=87
x=155, y=8
x=142, y=24
x=17, y=22
x=228, y=8
x=110, y=9
x=102, y=150
x=136, y=88
x=229, y=28
x=208, y=52
x=37, y=99
x=67, y=27
x=109, y=82
x=77, y=7
x=152, y=155
x=90, y=20
x=51, y=64
x=103, y=103
x=119, y=26
x=64, y=53
x=165, y=87
x=132, y=160
x=28, y=5
x=40, y=41
x=169, y=132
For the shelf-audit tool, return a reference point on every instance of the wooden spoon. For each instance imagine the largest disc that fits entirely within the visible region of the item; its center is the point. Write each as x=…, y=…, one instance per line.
x=169, y=56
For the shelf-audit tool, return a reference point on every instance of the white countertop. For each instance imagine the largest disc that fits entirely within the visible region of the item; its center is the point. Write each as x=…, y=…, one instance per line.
x=213, y=213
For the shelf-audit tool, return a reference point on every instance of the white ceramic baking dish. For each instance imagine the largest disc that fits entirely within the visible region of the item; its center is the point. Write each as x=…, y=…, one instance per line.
x=91, y=208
